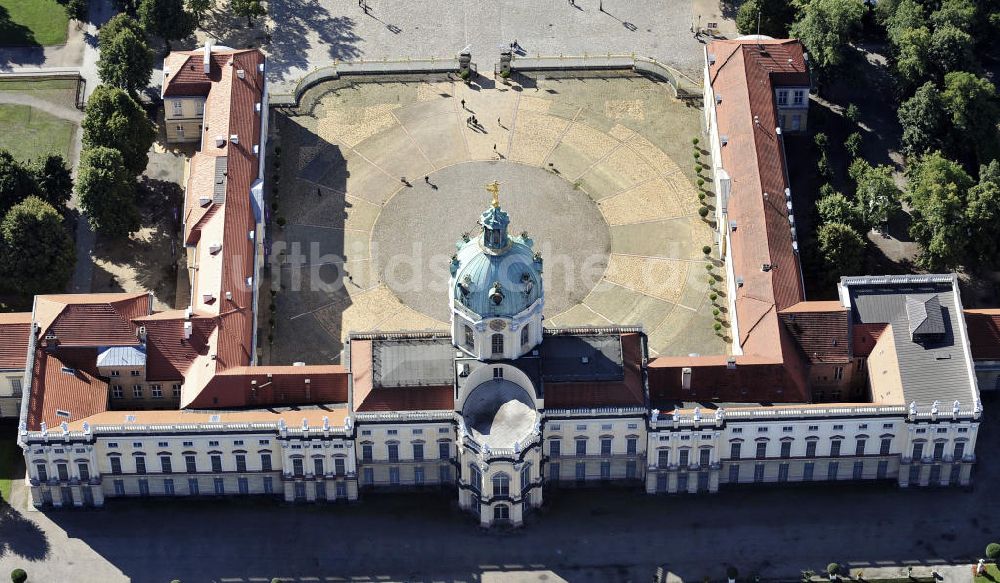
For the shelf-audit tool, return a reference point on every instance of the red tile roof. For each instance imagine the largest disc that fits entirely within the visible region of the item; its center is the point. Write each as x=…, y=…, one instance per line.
x=821, y=330
x=186, y=73
x=91, y=319
x=983, y=327
x=628, y=392
x=15, y=329
x=65, y=381
x=168, y=353
x=744, y=74
x=753, y=379
x=275, y=386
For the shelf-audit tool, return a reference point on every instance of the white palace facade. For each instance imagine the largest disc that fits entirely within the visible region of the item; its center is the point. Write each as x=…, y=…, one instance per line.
x=122, y=401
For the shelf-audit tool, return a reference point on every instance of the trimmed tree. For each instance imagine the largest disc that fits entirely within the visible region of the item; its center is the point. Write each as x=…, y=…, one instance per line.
x=126, y=61
x=842, y=248
x=18, y=576
x=115, y=120
x=16, y=182
x=937, y=199
x=39, y=253
x=55, y=184
x=107, y=192
x=825, y=28
x=166, y=19
x=993, y=551
x=248, y=8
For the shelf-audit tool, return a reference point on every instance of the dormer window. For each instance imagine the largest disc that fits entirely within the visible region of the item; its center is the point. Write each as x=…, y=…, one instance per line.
x=799, y=97
x=782, y=98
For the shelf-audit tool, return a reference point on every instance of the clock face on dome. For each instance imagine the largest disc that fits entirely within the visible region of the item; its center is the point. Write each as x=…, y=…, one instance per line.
x=497, y=325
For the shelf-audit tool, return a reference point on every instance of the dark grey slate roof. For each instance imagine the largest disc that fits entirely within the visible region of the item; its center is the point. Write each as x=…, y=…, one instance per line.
x=581, y=358
x=936, y=369
x=413, y=362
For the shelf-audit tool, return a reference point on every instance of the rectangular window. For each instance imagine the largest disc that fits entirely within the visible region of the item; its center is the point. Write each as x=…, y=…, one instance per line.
x=168, y=487
x=220, y=486
x=663, y=457
x=119, y=487
x=734, y=473
x=838, y=373
x=798, y=97
x=193, y=486
x=883, y=470
x=366, y=452
x=814, y=428
x=341, y=491
x=661, y=482
x=393, y=452
x=630, y=470
x=581, y=447
x=444, y=473
x=157, y=391
x=885, y=446
x=811, y=448
x=144, y=487
x=887, y=426
x=938, y=451
x=444, y=450
x=786, y=449
x=761, y=450
x=605, y=470
x=241, y=462
x=62, y=470
x=175, y=390
x=787, y=429
x=807, y=471
x=137, y=391
x=297, y=469
x=734, y=450
x=368, y=476
x=216, y=463
x=418, y=452
x=244, y=485
x=831, y=470
x=165, y=465
x=758, y=473
x=318, y=469
x=394, y=476
x=918, y=451
x=631, y=444
x=418, y=475
x=835, y=448
x=117, y=392
x=43, y=473
x=84, y=470
x=683, y=461
x=859, y=447
x=300, y=491
x=554, y=472
x=554, y=447
x=606, y=446
x=796, y=122
x=782, y=472
x=162, y=444
x=339, y=466
x=959, y=451
x=782, y=98
x=859, y=470
x=178, y=107
x=581, y=471
x=705, y=457
x=265, y=462
x=190, y=462
x=116, y=465
x=268, y=485
x=914, y=474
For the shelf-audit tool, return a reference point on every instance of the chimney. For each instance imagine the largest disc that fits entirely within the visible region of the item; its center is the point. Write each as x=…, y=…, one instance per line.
x=234, y=139
x=214, y=248
x=241, y=73
x=308, y=390
x=220, y=141
x=208, y=57
x=188, y=328
x=686, y=378
x=142, y=333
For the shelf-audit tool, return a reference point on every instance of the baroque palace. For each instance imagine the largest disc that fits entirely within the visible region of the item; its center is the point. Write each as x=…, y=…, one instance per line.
x=119, y=400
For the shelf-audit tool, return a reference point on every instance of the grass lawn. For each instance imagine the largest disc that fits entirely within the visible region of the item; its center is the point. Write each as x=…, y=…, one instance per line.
x=8, y=457
x=992, y=575
x=29, y=133
x=32, y=23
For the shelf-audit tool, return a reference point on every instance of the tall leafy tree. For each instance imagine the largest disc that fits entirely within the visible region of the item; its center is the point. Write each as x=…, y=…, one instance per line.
x=38, y=252
x=775, y=17
x=55, y=185
x=77, y=10
x=971, y=102
x=842, y=248
x=913, y=56
x=116, y=120
x=107, y=192
x=924, y=120
x=877, y=195
x=825, y=27
x=166, y=19
x=126, y=61
x=248, y=8
x=16, y=182
x=114, y=26
x=958, y=13
x=937, y=197
x=983, y=214
x=837, y=208
x=951, y=49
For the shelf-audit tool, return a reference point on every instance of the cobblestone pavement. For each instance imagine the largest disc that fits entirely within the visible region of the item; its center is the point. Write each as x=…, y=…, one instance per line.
x=580, y=535
x=308, y=34
x=591, y=168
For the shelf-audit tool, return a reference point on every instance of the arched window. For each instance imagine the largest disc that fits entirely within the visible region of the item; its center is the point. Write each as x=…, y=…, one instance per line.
x=470, y=338
x=497, y=341
x=501, y=485
x=525, y=334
